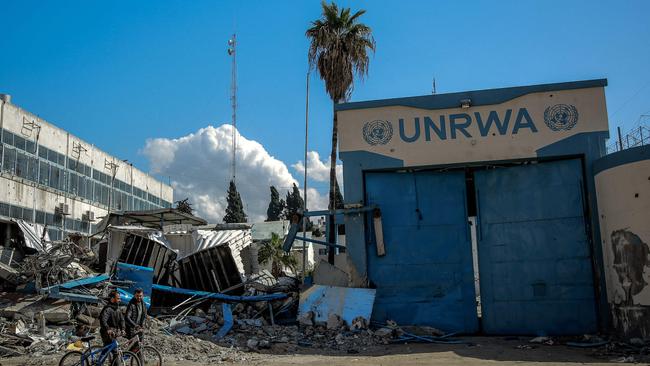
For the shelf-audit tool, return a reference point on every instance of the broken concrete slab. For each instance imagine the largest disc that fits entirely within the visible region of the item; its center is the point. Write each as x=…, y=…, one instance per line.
x=334, y=322
x=329, y=275
x=27, y=306
x=348, y=303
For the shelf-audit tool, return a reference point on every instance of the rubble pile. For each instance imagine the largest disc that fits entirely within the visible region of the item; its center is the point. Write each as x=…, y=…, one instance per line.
x=257, y=334
x=19, y=338
x=62, y=262
x=198, y=349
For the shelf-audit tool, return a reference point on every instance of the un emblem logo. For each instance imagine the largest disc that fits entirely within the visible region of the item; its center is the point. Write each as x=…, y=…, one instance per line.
x=561, y=117
x=377, y=132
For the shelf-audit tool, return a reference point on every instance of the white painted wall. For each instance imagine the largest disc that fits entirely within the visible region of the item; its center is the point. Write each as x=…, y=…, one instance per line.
x=623, y=194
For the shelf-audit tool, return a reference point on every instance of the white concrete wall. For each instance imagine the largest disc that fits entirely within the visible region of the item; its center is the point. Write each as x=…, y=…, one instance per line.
x=623, y=194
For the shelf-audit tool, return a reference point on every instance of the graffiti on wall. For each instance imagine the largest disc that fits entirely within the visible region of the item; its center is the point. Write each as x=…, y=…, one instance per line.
x=631, y=261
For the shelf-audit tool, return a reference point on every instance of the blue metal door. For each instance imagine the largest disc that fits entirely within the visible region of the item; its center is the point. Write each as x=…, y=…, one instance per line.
x=534, y=259
x=425, y=278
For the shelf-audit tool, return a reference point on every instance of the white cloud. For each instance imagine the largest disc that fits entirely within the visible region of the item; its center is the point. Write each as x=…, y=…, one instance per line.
x=199, y=165
x=318, y=170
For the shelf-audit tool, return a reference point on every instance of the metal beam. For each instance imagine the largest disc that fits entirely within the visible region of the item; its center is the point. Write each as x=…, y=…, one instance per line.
x=345, y=211
x=222, y=297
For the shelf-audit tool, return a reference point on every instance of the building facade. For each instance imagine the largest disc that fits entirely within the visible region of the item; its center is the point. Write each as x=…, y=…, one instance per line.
x=491, y=186
x=623, y=190
x=51, y=177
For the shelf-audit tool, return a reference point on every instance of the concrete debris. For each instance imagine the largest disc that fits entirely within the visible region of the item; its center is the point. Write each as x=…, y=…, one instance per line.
x=306, y=319
x=384, y=332
x=542, y=340
x=335, y=322
x=329, y=275
x=359, y=323
x=54, y=295
x=252, y=344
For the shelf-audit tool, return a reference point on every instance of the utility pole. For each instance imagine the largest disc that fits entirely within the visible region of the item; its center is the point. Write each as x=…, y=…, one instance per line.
x=232, y=51
x=304, y=194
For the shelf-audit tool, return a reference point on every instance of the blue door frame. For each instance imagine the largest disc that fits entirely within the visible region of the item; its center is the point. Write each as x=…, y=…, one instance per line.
x=535, y=261
x=426, y=276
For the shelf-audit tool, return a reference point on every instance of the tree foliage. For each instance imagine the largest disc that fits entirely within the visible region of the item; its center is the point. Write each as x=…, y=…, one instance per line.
x=185, y=206
x=294, y=202
x=276, y=206
x=235, y=210
x=271, y=251
x=338, y=49
x=294, y=205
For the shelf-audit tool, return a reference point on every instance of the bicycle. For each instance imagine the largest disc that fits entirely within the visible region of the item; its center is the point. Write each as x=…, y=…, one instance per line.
x=97, y=355
x=148, y=355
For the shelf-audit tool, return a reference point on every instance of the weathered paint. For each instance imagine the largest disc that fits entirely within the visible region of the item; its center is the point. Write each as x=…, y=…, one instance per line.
x=623, y=189
x=526, y=136
x=426, y=276
x=346, y=302
x=534, y=258
x=514, y=128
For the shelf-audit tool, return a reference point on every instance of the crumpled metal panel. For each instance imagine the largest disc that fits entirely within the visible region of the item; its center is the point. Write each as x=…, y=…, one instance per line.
x=33, y=234
x=236, y=240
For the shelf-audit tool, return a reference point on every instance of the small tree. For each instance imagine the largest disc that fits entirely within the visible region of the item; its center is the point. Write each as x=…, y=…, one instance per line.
x=271, y=251
x=235, y=210
x=185, y=206
x=295, y=203
x=276, y=206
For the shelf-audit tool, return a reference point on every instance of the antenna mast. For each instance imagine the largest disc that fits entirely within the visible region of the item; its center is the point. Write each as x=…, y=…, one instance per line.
x=232, y=51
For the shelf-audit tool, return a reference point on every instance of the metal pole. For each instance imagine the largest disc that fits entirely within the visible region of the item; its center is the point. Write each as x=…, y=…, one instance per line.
x=620, y=139
x=232, y=51
x=304, y=194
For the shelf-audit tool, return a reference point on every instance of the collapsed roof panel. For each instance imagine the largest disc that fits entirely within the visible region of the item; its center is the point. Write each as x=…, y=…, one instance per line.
x=150, y=218
x=144, y=251
x=213, y=269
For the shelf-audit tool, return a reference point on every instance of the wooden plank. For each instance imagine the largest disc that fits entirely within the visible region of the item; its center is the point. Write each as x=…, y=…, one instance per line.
x=379, y=233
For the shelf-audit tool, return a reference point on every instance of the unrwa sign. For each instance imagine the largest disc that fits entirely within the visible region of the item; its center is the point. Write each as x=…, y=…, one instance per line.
x=466, y=125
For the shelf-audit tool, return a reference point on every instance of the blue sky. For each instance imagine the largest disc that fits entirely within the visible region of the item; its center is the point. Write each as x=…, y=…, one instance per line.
x=116, y=73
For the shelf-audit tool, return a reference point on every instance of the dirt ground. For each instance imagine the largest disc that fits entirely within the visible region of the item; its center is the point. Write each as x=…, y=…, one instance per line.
x=480, y=351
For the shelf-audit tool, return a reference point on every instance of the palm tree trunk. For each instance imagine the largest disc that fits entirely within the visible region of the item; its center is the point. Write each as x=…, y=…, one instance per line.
x=332, y=195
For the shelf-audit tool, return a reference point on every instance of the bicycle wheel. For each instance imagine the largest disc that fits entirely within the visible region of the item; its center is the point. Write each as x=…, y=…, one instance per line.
x=92, y=356
x=72, y=358
x=128, y=359
x=150, y=356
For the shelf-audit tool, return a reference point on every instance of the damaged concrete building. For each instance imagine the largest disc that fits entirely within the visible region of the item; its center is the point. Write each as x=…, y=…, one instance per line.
x=51, y=177
x=500, y=211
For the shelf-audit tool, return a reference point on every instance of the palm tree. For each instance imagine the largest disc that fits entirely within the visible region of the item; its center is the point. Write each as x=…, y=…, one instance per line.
x=339, y=47
x=271, y=251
